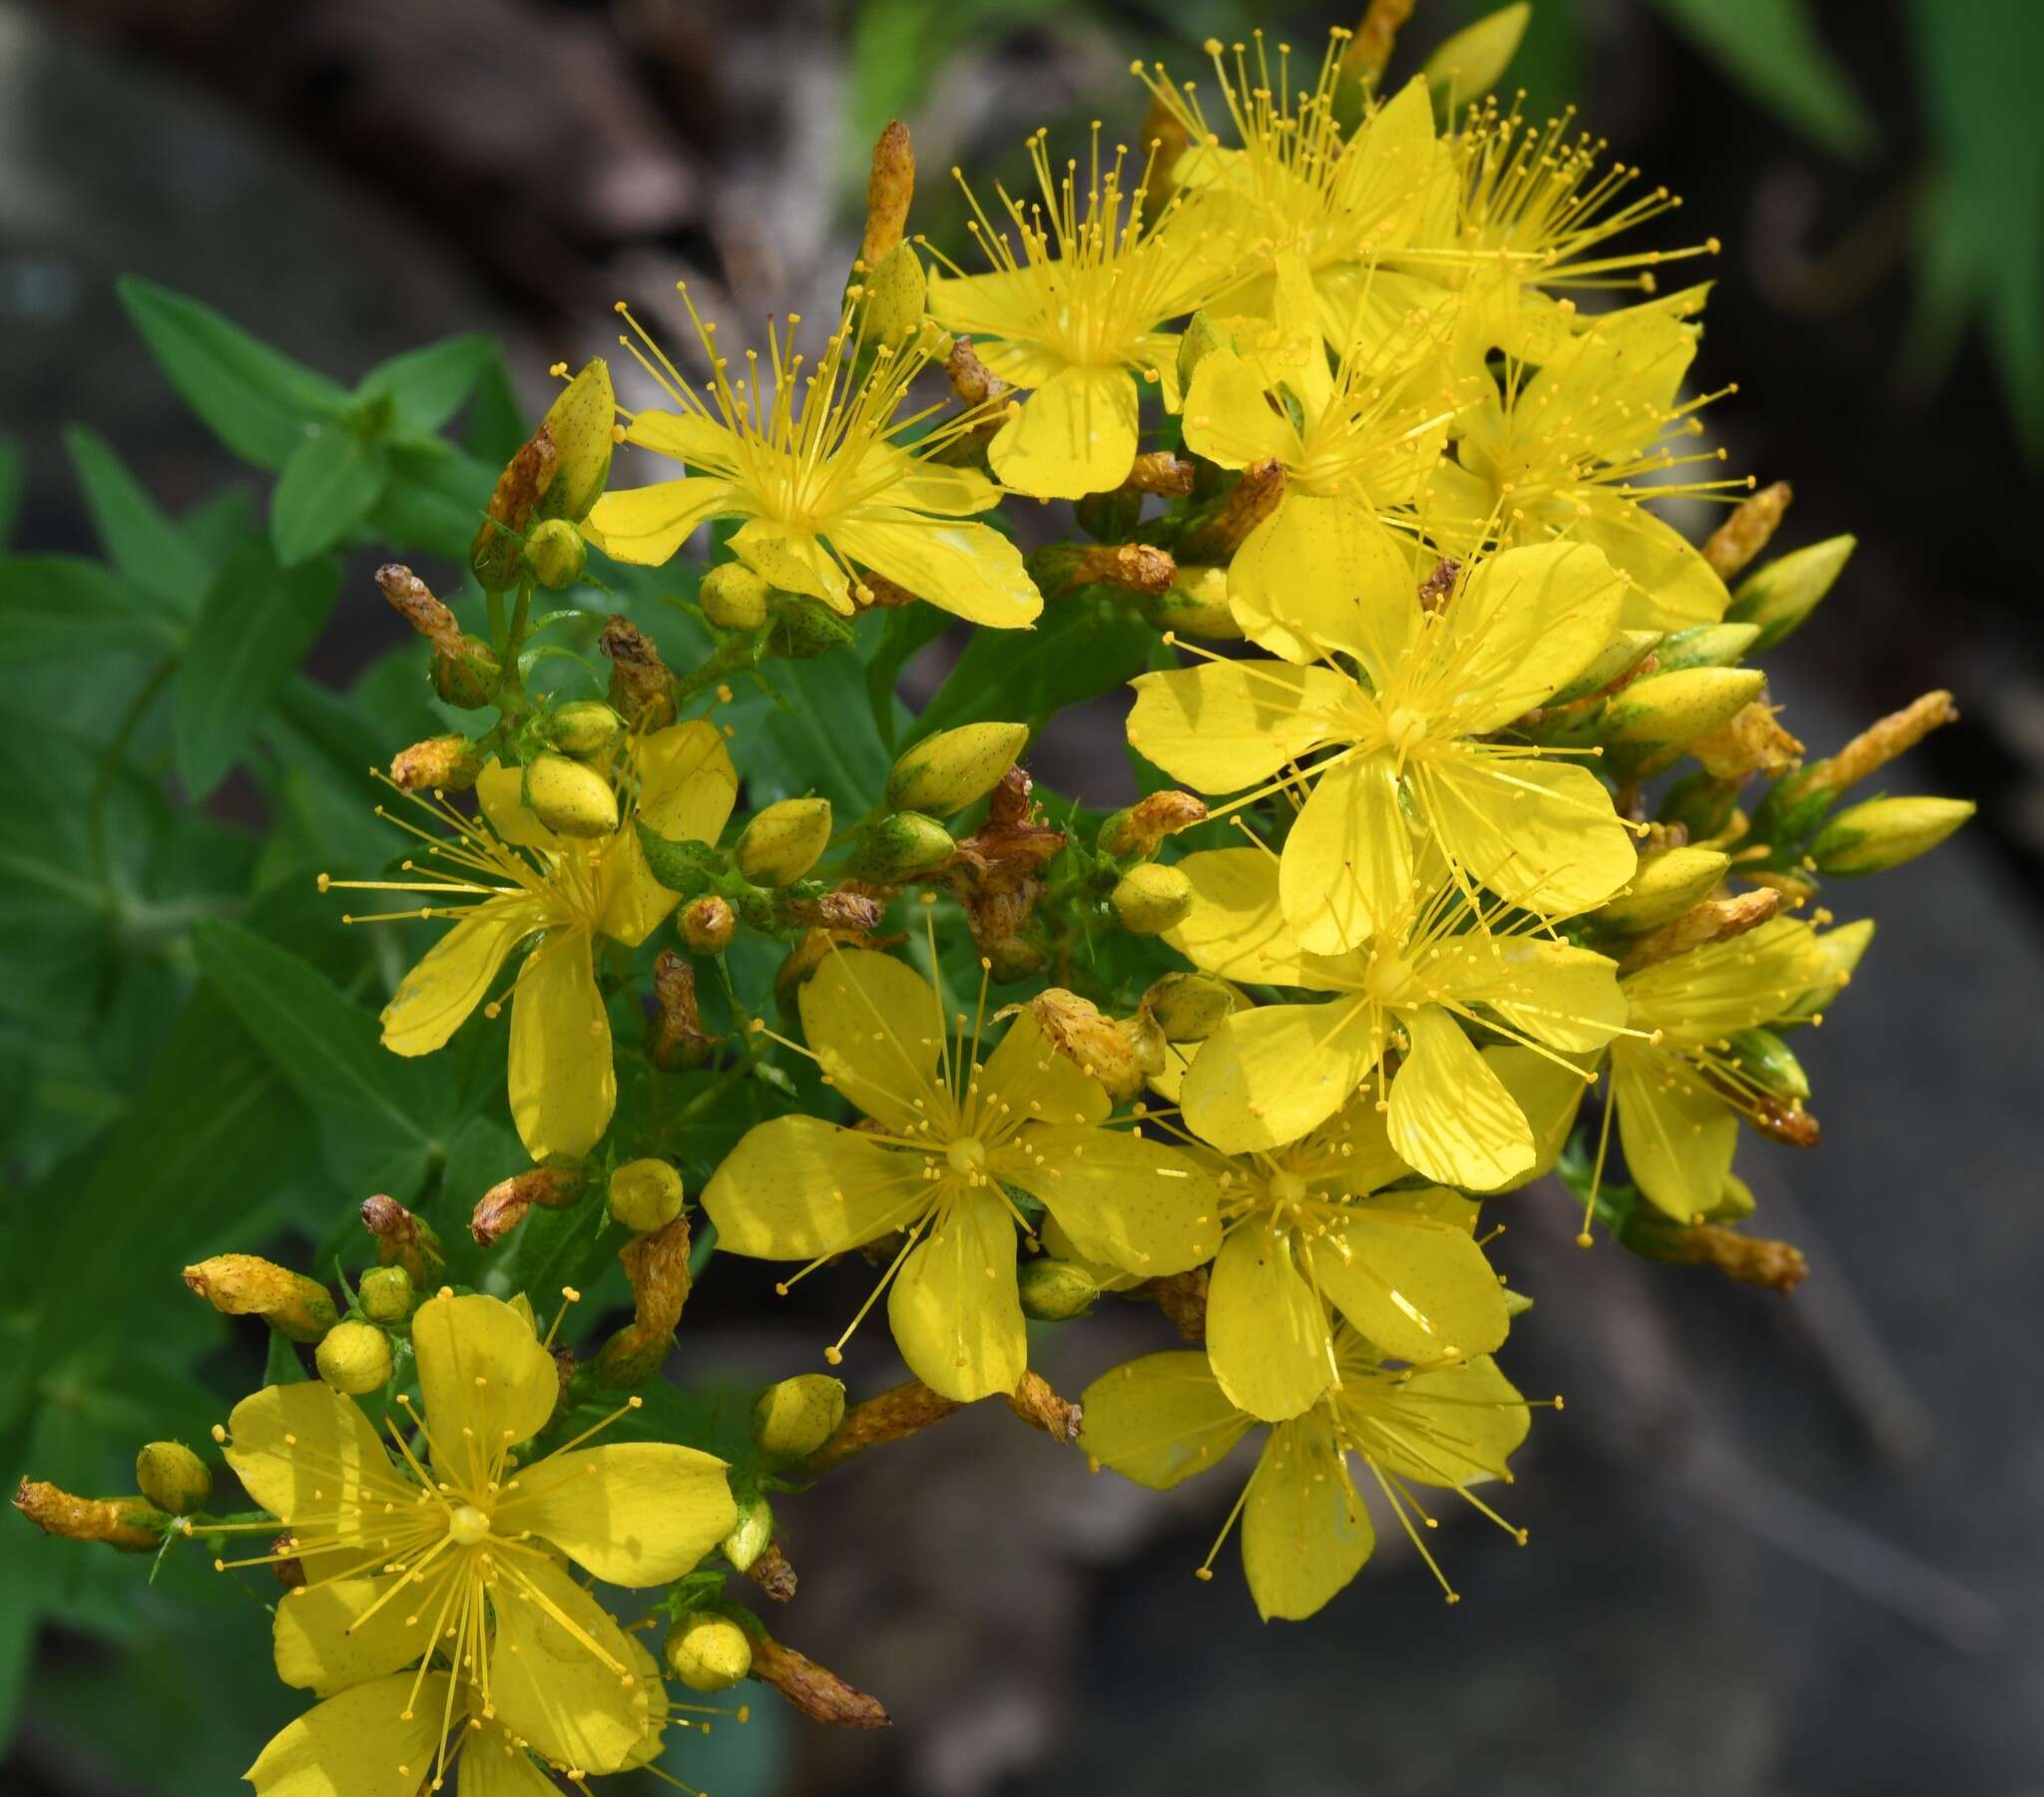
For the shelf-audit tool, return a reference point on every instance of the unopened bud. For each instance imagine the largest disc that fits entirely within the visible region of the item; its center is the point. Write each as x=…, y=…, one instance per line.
x=403, y=1239
x=1766, y=1061
x=806, y=627
x=707, y=924
x=792, y=1418
x=1196, y=606
x=641, y=689
x=1840, y=950
x=583, y=726
x=248, y=1285
x=555, y=553
x=438, y=765
x=646, y=1196
x=946, y=772
x=387, y=1294
x=1101, y=1047
x=1188, y=1007
x=1780, y=595
x=1151, y=899
x=1619, y=657
x=503, y=1208
x=468, y=677
x=1701, y=805
x=894, y=293
x=785, y=841
x=578, y=423
x=1881, y=833
x=709, y=1653
x=1055, y=1291
x=1705, y=645
x=571, y=799
x=1140, y=830
x=733, y=597
x=355, y=1358
x=172, y=1478
x=890, y=186
x=1669, y=709
x=901, y=846
x=1470, y=62
x=751, y=1532
x=1662, y=887
x=129, y=1524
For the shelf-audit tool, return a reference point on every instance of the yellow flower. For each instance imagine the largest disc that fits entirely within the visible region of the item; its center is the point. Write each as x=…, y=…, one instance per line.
x=1677, y=1092
x=1273, y=1073
x=1073, y=312
x=513, y=880
x=949, y=1136
x=818, y=464
x=1573, y=448
x=460, y=1562
x=1304, y=1530
x=1410, y=765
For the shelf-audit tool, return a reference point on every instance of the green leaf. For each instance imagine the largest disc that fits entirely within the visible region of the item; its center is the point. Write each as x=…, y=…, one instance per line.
x=821, y=738
x=433, y=501
x=384, y=1119
x=496, y=420
x=12, y=470
x=58, y=607
x=282, y=1365
x=330, y=481
x=254, y=399
x=909, y=630
x=1773, y=50
x=1082, y=646
x=139, y=538
x=258, y=623
x=427, y=386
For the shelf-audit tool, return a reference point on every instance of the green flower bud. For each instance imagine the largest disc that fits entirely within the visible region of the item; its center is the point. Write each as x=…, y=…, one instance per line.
x=1841, y=949
x=1623, y=653
x=583, y=726
x=1151, y=899
x=569, y=798
x=792, y=1418
x=1735, y=1203
x=709, y=1653
x=946, y=772
x=1055, y=1291
x=645, y=1196
x=387, y=1294
x=355, y=1358
x=1779, y=595
x=1200, y=339
x=1196, y=606
x=172, y=1478
x=467, y=680
x=733, y=597
x=708, y=925
x=1662, y=888
x=1470, y=62
x=901, y=847
x=1881, y=833
x=1766, y=1060
x=1705, y=645
x=894, y=296
x=1700, y=802
x=580, y=421
x=806, y=627
x=1666, y=711
x=1188, y=1007
x=753, y=1533
x=785, y=841
x=555, y=554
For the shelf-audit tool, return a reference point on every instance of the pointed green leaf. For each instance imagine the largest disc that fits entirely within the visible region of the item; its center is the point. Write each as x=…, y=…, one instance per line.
x=496, y=420
x=139, y=538
x=1774, y=50
x=56, y=607
x=331, y=478
x=433, y=501
x=427, y=386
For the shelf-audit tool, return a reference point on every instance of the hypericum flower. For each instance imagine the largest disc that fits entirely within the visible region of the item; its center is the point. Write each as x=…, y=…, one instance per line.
x=1073, y=312
x=947, y=1136
x=822, y=466
x=460, y=1563
x=1408, y=762
x=1273, y=1073
x=1677, y=1092
x=1304, y=1530
x=1575, y=447
x=512, y=879
x=1294, y=182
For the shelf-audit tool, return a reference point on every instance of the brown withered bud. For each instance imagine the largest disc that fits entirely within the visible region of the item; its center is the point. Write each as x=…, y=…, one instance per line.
x=901, y=1411
x=1742, y=537
x=845, y=907
x=773, y=1574
x=1370, y=49
x=290, y=1569
x=678, y=1037
x=1752, y=1260
x=1435, y=589
x=805, y=957
x=1140, y=830
x=1159, y=472
x=438, y=765
x=996, y=872
x=1104, y=1048
x=1183, y=1300
x=642, y=691
x=413, y=601
x=1714, y=920
x=248, y=1285
x=123, y=1523
x=405, y=1240
x=494, y=553
x=658, y=1267
x=1784, y=1121
x=814, y=1691
x=502, y=1208
x=1874, y=747
x=1133, y=567
x=1246, y=505
x=707, y=924
x=972, y=381
x=1165, y=139
x=877, y=589
x=1041, y=1408
x=1753, y=742
x=889, y=188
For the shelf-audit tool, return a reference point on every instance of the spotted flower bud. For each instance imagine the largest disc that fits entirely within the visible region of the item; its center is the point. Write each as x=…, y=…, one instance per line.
x=1188, y=1007
x=709, y=1653
x=387, y=1294
x=646, y=1196
x=901, y=847
x=438, y=765
x=1196, y=606
x=946, y=772
x=1668, y=709
x=468, y=677
x=1663, y=887
x=748, y=1545
x=555, y=553
x=1705, y=645
x=583, y=726
x=894, y=293
x=248, y=1285
x=1140, y=830
x=785, y=841
x=1055, y=1291
x=806, y=627
x=1151, y=899
x=579, y=424
x=792, y=1418
x=707, y=924
x=1778, y=596
x=172, y=1478
x=570, y=798
x=355, y=1358
x=733, y=597
x=1880, y=833
x=1620, y=657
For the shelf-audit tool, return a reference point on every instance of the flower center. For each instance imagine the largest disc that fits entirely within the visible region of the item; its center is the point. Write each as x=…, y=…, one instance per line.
x=1405, y=729
x=966, y=1156
x=1286, y=1188
x=1387, y=977
x=468, y=1526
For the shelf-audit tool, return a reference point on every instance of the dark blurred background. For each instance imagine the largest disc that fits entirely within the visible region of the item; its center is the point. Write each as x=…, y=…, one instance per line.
x=1778, y=1547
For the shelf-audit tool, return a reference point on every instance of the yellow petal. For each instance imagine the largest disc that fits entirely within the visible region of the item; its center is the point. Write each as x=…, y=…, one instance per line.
x=1325, y=573
x=1673, y=587
x=634, y=904
x=997, y=307
x=357, y=1744
x=1548, y=1094
x=563, y=1086
x=689, y=437
x=1160, y=1419
x=953, y=1308
x=1236, y=927
x=485, y=1383
x=1266, y=1335
x=1229, y=417
x=1446, y=1425
x=969, y=570
x=1269, y=1074
x=1137, y=1204
x=1223, y=726
x=1348, y=1156
x=632, y=1513
x=797, y=1186
x=1451, y=1116
x=1347, y=865
x=492, y=1764
x=1679, y=1135
x=1543, y=834
x=647, y=525
x=1563, y=995
x=1384, y=174
x=1304, y=1532
x=686, y=784
x=304, y=1451
x=1026, y=1080
x=937, y=491
x=500, y=791
x=1418, y=1287
x=318, y=1646
x=437, y=996
x=793, y=560
x=559, y=1668
x=1075, y=435
x=877, y=1028
x=1696, y=999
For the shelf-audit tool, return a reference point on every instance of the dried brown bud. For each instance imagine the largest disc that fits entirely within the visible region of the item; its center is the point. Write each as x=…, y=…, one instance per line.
x=290, y=1569
x=494, y=553
x=1753, y=742
x=248, y=1285
x=772, y=1573
x=677, y=1038
x=1370, y=49
x=1041, y=1408
x=1133, y=567
x=439, y=765
x=889, y=188
x=658, y=1267
x=974, y=383
x=814, y=1691
x=403, y=1239
x=843, y=908
x=1183, y=1298
x=1106, y=1050
x=1159, y=472
x=708, y=925
x=1714, y=920
x=642, y=691
x=1783, y=1120
x=1743, y=536
x=1750, y=1259
x=1876, y=746
x=124, y=1523
x=1216, y=536
x=899, y=1412
x=502, y=1208
x=413, y=601
x=1141, y=827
